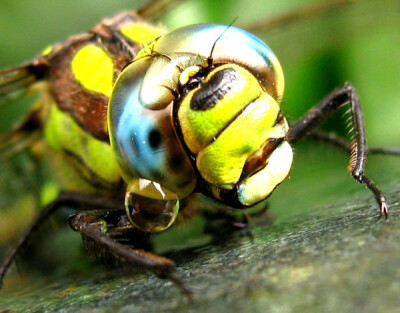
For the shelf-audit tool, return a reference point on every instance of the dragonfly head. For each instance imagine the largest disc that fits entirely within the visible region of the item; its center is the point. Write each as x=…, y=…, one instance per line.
x=184, y=120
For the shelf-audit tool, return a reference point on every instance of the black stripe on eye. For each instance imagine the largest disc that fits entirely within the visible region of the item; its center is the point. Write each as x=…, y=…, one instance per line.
x=213, y=90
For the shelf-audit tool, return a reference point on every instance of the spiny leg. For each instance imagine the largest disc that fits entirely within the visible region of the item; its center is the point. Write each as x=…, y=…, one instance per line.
x=90, y=224
x=346, y=145
x=64, y=199
x=345, y=94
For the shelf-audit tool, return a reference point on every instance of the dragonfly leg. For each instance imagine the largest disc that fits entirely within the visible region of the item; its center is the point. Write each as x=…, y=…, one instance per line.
x=346, y=145
x=92, y=226
x=72, y=199
x=341, y=96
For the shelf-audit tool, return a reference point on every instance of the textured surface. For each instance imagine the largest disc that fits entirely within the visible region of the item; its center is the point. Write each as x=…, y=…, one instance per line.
x=335, y=259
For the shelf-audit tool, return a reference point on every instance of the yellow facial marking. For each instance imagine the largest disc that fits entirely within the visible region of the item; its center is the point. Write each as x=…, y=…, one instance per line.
x=188, y=73
x=258, y=186
x=200, y=127
x=94, y=69
x=221, y=162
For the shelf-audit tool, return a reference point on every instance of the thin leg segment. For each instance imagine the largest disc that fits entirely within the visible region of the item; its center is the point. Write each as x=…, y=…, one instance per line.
x=91, y=226
x=89, y=223
x=346, y=145
x=345, y=94
x=64, y=199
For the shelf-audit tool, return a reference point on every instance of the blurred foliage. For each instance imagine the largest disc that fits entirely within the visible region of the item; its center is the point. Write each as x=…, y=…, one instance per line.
x=357, y=42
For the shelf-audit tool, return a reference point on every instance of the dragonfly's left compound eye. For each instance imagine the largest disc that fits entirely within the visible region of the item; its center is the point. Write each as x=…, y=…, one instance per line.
x=151, y=158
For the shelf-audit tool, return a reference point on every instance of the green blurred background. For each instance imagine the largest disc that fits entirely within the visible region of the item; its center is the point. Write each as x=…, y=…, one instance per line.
x=357, y=42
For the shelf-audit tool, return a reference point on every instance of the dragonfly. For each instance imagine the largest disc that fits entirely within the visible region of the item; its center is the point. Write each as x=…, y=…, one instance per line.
x=123, y=205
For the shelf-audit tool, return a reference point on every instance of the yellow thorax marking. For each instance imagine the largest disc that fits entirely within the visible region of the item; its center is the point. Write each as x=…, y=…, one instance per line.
x=142, y=33
x=62, y=134
x=47, y=50
x=93, y=69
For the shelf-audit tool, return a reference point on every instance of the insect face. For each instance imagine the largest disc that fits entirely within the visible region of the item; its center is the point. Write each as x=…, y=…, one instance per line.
x=178, y=123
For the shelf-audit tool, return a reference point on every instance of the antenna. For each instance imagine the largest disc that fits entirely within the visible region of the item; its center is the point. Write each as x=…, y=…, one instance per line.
x=210, y=58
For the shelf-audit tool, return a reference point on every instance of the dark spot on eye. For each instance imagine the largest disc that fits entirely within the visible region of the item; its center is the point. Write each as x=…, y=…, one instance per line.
x=175, y=162
x=155, y=138
x=214, y=90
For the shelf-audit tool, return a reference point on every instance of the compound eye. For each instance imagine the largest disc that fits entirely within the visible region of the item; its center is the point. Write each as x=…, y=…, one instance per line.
x=143, y=137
